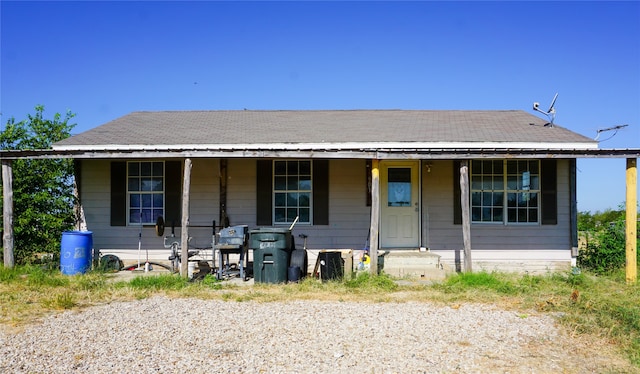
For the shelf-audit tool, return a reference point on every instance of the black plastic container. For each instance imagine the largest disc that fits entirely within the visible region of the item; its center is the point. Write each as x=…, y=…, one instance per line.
x=331, y=266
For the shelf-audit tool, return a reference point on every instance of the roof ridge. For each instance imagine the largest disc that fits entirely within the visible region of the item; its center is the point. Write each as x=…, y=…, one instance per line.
x=326, y=110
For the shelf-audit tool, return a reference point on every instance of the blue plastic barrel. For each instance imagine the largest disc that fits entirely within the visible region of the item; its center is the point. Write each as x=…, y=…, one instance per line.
x=75, y=252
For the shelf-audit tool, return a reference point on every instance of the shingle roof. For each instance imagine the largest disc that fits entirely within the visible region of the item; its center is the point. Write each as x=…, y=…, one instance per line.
x=215, y=128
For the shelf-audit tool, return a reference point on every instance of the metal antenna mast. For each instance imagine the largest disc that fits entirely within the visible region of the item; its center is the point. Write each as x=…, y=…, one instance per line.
x=613, y=128
x=550, y=113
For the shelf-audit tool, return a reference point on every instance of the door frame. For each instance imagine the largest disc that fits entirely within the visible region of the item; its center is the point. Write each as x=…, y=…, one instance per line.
x=384, y=171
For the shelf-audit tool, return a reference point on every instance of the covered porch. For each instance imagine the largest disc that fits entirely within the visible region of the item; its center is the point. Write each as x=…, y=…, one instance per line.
x=426, y=167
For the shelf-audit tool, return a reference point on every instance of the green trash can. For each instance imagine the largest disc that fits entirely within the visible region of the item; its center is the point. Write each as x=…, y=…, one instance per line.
x=271, y=253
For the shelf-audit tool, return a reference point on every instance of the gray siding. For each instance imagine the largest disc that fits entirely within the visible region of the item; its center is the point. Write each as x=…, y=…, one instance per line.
x=349, y=217
x=96, y=193
x=442, y=234
x=534, y=248
x=437, y=203
x=348, y=213
x=241, y=192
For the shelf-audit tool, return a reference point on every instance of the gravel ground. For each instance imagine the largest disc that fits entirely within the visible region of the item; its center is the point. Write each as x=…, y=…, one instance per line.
x=162, y=335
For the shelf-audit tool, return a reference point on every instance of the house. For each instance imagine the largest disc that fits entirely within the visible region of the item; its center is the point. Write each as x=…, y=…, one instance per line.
x=265, y=168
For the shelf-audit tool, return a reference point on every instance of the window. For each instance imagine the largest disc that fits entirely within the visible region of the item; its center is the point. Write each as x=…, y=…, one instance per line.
x=505, y=191
x=292, y=191
x=523, y=190
x=399, y=187
x=145, y=191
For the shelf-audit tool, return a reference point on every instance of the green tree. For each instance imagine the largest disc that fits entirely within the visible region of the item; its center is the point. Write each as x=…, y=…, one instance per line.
x=42, y=189
x=586, y=221
x=599, y=220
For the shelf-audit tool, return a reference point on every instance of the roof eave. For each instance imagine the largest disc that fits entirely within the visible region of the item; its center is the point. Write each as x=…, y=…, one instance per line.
x=348, y=146
x=355, y=153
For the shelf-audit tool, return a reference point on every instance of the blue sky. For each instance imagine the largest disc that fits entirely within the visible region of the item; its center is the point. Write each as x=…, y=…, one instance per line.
x=102, y=60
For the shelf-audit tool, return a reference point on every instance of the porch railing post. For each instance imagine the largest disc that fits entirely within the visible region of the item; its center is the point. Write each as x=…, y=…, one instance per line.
x=7, y=213
x=375, y=217
x=184, y=238
x=466, y=220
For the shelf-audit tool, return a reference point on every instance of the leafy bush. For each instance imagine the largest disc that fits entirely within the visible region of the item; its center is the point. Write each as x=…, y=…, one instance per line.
x=607, y=253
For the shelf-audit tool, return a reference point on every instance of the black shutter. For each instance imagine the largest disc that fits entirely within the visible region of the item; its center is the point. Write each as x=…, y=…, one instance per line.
x=118, y=193
x=263, y=192
x=457, y=206
x=173, y=193
x=321, y=192
x=549, y=191
x=573, y=203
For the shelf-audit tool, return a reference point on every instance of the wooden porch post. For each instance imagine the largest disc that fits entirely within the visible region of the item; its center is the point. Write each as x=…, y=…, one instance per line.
x=81, y=223
x=184, y=237
x=631, y=221
x=375, y=217
x=224, y=218
x=466, y=221
x=7, y=213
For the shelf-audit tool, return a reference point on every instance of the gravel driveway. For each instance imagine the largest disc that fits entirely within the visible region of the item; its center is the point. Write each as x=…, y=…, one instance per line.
x=162, y=335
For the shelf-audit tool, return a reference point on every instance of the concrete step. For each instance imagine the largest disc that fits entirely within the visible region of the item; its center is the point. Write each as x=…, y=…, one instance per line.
x=413, y=264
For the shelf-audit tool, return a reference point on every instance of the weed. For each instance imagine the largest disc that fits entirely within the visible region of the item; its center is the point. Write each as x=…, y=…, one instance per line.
x=159, y=282
x=8, y=274
x=92, y=281
x=366, y=282
x=39, y=277
x=482, y=280
x=211, y=281
x=530, y=281
x=64, y=300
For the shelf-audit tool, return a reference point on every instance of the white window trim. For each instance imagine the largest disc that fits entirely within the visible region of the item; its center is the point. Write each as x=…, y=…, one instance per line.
x=505, y=200
x=274, y=191
x=128, y=193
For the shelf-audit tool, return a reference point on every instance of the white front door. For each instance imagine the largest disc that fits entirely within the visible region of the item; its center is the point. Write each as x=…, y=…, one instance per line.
x=399, y=204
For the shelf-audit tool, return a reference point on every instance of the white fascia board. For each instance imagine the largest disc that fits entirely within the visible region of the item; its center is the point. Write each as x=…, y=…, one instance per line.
x=330, y=146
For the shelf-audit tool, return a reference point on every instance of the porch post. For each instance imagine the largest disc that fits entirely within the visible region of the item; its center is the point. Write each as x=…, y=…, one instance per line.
x=375, y=217
x=466, y=221
x=184, y=237
x=631, y=221
x=7, y=213
x=224, y=218
x=81, y=223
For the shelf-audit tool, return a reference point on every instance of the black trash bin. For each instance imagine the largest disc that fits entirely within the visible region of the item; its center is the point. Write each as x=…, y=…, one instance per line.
x=331, y=266
x=271, y=253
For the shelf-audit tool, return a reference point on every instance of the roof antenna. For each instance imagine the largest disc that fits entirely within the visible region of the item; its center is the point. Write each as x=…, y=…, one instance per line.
x=550, y=113
x=614, y=128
